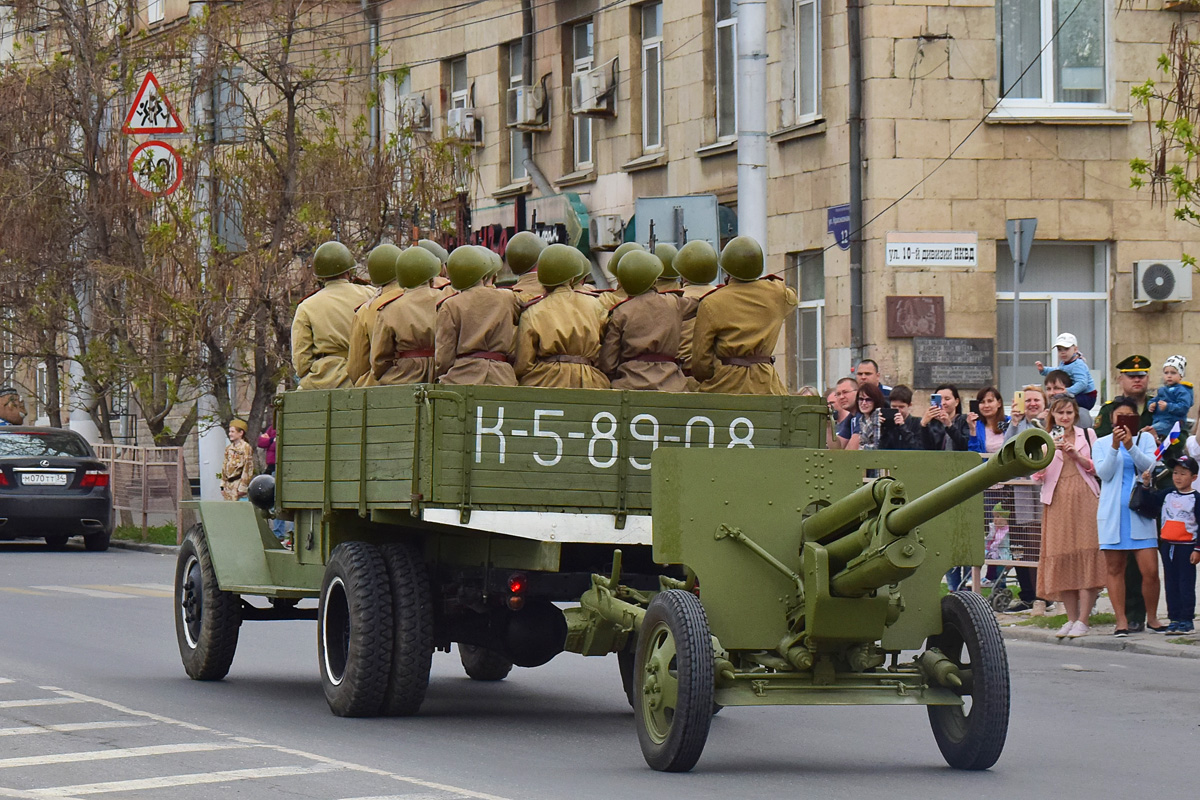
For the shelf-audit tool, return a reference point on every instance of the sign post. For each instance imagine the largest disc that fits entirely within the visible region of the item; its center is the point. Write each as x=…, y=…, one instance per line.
x=155, y=168
x=1020, y=241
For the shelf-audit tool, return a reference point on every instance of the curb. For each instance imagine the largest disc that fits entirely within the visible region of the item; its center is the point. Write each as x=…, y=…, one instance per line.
x=1101, y=641
x=145, y=547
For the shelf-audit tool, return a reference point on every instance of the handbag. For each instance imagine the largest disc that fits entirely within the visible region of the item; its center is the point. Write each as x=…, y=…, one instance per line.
x=1141, y=501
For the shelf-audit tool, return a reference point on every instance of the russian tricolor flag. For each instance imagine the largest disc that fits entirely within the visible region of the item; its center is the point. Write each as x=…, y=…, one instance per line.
x=1171, y=439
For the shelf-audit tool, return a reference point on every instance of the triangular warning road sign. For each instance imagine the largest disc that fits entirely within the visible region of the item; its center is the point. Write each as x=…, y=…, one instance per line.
x=151, y=111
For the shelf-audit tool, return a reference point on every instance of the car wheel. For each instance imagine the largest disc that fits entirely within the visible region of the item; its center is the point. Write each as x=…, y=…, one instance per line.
x=97, y=542
x=57, y=541
x=206, y=618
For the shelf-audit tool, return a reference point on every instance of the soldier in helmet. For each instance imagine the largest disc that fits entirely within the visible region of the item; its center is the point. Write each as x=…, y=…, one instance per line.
x=697, y=265
x=669, y=280
x=477, y=327
x=641, y=341
x=381, y=266
x=522, y=254
x=612, y=297
x=402, y=341
x=439, y=282
x=558, y=337
x=737, y=326
x=321, y=327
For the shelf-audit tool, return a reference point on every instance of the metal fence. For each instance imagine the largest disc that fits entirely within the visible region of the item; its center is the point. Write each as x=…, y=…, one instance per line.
x=147, y=484
x=1012, y=518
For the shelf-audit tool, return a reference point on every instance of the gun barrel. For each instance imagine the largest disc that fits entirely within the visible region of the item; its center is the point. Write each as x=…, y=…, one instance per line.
x=1030, y=451
x=845, y=512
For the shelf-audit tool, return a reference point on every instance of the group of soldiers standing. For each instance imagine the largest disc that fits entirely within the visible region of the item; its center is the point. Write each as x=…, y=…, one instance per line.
x=434, y=316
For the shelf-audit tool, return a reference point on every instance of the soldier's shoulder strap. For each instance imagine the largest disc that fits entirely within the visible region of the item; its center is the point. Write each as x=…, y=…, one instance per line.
x=772, y=278
x=587, y=292
x=673, y=291
x=389, y=301
x=444, y=299
x=623, y=302
x=533, y=302
x=713, y=291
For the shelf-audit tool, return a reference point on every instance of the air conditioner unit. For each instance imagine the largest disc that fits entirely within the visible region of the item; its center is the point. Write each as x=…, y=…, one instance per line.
x=592, y=92
x=414, y=112
x=462, y=124
x=528, y=108
x=606, y=232
x=1161, y=282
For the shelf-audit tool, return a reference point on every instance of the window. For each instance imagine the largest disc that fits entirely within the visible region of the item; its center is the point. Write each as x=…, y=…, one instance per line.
x=583, y=59
x=1065, y=289
x=229, y=114
x=726, y=69
x=806, y=328
x=652, y=76
x=516, y=139
x=1071, y=69
x=155, y=10
x=808, y=60
x=459, y=88
x=227, y=217
x=41, y=391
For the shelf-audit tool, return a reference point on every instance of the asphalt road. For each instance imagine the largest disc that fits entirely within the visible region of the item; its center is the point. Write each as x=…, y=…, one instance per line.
x=94, y=702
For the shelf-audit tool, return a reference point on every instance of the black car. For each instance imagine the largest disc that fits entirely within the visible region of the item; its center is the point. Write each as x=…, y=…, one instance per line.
x=53, y=487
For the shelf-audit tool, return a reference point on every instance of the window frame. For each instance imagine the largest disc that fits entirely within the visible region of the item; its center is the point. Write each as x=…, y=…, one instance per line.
x=1047, y=68
x=719, y=24
x=795, y=326
x=516, y=138
x=801, y=117
x=459, y=98
x=648, y=44
x=156, y=11
x=581, y=127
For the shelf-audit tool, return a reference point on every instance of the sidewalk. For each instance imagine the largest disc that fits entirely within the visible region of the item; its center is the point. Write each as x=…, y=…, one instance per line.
x=1101, y=638
x=145, y=547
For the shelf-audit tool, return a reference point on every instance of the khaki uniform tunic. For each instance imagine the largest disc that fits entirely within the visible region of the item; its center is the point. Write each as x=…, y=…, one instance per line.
x=646, y=325
x=612, y=297
x=666, y=285
x=358, y=364
x=321, y=334
x=739, y=320
x=405, y=325
x=480, y=320
x=527, y=287
x=692, y=292
x=237, y=470
x=563, y=323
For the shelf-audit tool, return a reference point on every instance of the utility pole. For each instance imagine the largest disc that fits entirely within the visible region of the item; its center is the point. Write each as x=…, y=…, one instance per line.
x=752, y=120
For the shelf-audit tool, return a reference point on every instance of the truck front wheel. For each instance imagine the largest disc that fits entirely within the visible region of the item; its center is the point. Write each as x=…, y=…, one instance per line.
x=354, y=630
x=482, y=664
x=206, y=618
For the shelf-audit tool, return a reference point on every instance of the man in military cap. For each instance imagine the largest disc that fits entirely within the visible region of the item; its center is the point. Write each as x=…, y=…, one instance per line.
x=402, y=340
x=641, y=342
x=12, y=407
x=697, y=265
x=381, y=266
x=476, y=328
x=321, y=327
x=558, y=337
x=521, y=254
x=238, y=467
x=737, y=326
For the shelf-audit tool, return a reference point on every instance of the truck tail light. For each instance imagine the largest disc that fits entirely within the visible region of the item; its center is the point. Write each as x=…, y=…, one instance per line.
x=516, y=588
x=94, y=479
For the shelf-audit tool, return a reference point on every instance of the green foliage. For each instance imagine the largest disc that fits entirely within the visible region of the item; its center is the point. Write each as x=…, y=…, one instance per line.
x=155, y=534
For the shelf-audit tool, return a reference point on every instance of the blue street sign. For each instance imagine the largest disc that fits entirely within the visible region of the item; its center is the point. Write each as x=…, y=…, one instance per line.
x=838, y=223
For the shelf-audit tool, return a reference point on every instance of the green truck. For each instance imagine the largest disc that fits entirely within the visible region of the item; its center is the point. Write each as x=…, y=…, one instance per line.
x=709, y=541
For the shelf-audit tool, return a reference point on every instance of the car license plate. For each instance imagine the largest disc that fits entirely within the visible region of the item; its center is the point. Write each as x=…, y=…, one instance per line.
x=44, y=479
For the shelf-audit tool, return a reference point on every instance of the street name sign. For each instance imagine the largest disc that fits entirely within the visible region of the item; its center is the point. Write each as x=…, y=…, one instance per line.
x=932, y=249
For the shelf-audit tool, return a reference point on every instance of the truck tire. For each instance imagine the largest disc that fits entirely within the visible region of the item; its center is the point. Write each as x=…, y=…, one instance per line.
x=972, y=738
x=482, y=664
x=412, y=630
x=673, y=682
x=354, y=630
x=207, y=619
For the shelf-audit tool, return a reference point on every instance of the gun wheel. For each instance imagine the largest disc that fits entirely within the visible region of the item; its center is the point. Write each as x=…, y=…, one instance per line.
x=673, y=682
x=972, y=736
x=206, y=618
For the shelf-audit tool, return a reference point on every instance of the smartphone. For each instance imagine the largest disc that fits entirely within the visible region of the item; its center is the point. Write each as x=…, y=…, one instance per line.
x=1018, y=403
x=1129, y=422
x=973, y=407
x=935, y=400
x=1057, y=431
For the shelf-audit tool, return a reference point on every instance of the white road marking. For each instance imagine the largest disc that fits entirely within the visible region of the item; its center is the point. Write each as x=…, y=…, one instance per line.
x=122, y=752
x=6, y=680
x=421, y=796
x=87, y=592
x=38, y=701
x=71, y=727
x=139, y=591
x=158, y=587
x=168, y=781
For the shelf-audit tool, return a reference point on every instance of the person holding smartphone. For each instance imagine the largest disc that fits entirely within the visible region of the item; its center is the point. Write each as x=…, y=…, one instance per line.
x=1120, y=457
x=942, y=426
x=987, y=421
x=1026, y=502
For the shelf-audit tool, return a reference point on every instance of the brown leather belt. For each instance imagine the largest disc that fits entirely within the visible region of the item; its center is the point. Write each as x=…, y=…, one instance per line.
x=414, y=354
x=655, y=358
x=746, y=361
x=566, y=360
x=490, y=355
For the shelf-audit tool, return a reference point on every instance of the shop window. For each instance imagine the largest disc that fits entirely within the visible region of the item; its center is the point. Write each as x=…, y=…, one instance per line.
x=1066, y=43
x=652, y=75
x=806, y=327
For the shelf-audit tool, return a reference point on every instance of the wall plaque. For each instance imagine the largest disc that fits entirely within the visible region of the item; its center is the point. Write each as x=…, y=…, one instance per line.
x=915, y=316
x=967, y=363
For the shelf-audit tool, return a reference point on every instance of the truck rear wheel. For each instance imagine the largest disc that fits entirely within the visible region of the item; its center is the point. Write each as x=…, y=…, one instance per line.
x=412, y=630
x=354, y=630
x=482, y=664
x=972, y=736
x=673, y=682
x=206, y=618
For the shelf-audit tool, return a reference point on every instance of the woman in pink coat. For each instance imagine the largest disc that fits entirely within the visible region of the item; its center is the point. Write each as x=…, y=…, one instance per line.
x=1071, y=568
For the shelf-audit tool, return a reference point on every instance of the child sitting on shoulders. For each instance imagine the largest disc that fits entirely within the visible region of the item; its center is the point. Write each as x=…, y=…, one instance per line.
x=1072, y=362
x=1174, y=398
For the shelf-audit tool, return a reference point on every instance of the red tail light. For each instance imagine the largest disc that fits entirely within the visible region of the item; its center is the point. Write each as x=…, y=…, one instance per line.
x=94, y=479
x=3, y=480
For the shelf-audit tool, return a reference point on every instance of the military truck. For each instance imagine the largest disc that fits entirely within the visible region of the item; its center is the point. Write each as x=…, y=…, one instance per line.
x=709, y=541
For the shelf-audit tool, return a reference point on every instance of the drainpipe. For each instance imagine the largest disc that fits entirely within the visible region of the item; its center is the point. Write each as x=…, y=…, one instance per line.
x=752, y=120
x=371, y=12
x=535, y=172
x=854, y=37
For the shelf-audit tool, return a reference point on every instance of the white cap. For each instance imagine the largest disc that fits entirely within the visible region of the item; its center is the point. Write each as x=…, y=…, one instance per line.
x=1066, y=340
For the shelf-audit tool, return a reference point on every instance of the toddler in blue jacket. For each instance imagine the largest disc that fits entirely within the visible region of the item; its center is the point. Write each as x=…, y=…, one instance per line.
x=1072, y=362
x=1174, y=399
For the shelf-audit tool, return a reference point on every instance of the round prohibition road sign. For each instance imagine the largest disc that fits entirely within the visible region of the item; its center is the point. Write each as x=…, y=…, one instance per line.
x=155, y=169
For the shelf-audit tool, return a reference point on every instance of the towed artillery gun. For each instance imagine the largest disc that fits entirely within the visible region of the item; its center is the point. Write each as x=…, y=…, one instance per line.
x=707, y=540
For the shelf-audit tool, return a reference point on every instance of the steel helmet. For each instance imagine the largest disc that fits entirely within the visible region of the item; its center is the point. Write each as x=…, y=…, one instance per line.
x=696, y=261
x=494, y=259
x=557, y=265
x=585, y=265
x=522, y=252
x=381, y=264
x=467, y=267
x=638, y=271
x=415, y=266
x=435, y=248
x=332, y=259
x=743, y=259
x=619, y=253
x=666, y=254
